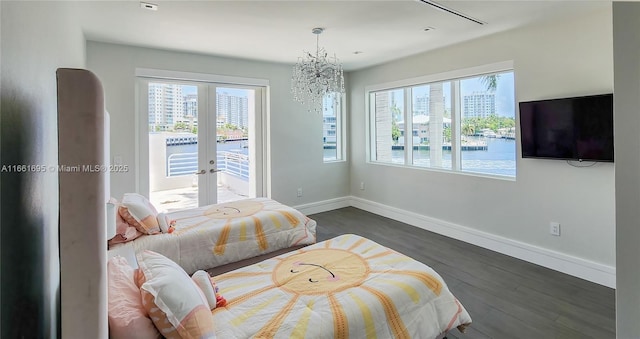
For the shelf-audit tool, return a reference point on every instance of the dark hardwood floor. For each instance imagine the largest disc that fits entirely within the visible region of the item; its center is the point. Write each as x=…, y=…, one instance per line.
x=506, y=297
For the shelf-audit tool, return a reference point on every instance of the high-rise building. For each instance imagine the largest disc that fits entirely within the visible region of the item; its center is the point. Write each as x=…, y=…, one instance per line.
x=233, y=109
x=329, y=118
x=421, y=106
x=166, y=106
x=191, y=106
x=479, y=105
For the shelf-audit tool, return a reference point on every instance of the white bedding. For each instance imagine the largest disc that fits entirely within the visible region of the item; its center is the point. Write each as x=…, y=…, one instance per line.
x=215, y=235
x=346, y=287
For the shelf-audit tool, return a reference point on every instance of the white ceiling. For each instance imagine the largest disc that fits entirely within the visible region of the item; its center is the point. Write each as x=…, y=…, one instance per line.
x=280, y=31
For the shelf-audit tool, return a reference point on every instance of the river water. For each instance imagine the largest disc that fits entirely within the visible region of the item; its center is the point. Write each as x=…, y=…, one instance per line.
x=498, y=159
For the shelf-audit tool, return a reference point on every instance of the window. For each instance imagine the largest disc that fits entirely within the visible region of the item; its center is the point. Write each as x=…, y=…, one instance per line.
x=464, y=124
x=332, y=128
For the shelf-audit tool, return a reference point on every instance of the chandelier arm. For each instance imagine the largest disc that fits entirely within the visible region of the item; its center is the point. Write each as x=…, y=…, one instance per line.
x=316, y=76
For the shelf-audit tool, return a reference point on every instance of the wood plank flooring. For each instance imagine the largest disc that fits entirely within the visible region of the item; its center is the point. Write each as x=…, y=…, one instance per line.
x=506, y=297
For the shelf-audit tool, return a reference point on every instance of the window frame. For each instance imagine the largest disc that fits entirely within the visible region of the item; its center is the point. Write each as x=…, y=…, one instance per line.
x=459, y=74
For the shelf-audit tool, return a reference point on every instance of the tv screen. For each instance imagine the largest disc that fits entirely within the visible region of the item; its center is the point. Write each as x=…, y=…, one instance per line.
x=578, y=128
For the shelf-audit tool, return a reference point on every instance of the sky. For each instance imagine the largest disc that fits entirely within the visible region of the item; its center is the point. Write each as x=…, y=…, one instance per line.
x=187, y=89
x=505, y=99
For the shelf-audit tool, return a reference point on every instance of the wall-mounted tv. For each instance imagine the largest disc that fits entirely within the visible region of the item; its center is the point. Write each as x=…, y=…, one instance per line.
x=577, y=128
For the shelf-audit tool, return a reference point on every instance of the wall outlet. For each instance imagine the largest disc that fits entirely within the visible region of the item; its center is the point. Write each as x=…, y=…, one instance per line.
x=554, y=228
x=362, y=185
x=299, y=192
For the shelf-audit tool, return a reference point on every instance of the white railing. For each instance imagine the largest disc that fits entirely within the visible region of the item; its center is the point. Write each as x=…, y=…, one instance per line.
x=236, y=164
x=233, y=163
x=182, y=164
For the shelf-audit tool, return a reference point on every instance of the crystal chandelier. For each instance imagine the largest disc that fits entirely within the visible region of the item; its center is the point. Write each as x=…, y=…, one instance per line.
x=315, y=76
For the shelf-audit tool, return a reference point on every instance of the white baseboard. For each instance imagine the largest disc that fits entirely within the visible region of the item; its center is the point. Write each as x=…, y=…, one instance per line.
x=323, y=206
x=578, y=267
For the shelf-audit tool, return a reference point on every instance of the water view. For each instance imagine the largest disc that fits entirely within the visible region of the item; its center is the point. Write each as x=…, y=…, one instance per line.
x=498, y=159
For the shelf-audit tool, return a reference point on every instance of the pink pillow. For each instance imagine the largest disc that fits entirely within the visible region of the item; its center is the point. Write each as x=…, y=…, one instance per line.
x=124, y=231
x=127, y=317
x=138, y=212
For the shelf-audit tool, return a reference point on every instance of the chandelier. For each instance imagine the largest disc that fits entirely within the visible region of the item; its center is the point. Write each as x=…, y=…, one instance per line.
x=316, y=76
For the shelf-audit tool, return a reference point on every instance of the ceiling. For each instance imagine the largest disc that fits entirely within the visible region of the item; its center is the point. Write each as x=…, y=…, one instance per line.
x=279, y=31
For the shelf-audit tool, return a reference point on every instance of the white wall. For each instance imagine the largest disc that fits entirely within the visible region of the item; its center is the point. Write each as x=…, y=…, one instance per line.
x=626, y=25
x=37, y=38
x=295, y=135
x=570, y=57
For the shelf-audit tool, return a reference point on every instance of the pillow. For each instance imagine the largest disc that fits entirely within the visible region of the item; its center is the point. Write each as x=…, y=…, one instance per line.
x=209, y=289
x=127, y=317
x=175, y=304
x=138, y=212
x=124, y=231
x=166, y=224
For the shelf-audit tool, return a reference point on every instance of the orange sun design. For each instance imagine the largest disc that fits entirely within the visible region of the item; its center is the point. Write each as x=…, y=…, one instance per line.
x=246, y=217
x=320, y=284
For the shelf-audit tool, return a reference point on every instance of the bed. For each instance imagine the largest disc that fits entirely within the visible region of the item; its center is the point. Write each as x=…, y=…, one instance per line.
x=345, y=287
x=220, y=234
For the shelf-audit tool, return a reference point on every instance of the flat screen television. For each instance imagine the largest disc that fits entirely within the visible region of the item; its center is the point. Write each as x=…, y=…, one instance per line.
x=577, y=128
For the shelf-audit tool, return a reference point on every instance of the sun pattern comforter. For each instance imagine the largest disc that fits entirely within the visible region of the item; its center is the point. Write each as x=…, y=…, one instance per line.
x=346, y=287
x=215, y=235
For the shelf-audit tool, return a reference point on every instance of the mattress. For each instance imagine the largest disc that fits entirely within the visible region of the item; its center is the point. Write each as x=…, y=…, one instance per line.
x=344, y=287
x=215, y=235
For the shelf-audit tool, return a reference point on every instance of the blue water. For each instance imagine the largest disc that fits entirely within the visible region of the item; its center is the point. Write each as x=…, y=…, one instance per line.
x=498, y=159
x=231, y=146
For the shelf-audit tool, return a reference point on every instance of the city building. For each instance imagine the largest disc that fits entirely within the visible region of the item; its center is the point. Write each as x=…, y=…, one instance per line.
x=479, y=105
x=232, y=109
x=166, y=106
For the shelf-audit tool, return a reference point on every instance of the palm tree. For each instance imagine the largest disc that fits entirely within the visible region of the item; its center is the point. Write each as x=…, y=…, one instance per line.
x=491, y=81
x=468, y=129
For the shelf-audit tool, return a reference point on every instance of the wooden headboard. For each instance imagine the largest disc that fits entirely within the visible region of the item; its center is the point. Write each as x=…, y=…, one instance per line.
x=83, y=130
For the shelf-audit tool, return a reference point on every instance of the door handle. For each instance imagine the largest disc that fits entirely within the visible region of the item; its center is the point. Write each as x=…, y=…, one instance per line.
x=214, y=170
x=201, y=172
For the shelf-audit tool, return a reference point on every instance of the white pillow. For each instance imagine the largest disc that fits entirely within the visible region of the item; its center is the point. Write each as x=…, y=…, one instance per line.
x=138, y=211
x=202, y=279
x=175, y=303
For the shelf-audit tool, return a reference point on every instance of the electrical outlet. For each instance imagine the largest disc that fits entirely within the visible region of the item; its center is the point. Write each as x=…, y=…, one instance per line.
x=554, y=228
x=299, y=192
x=362, y=185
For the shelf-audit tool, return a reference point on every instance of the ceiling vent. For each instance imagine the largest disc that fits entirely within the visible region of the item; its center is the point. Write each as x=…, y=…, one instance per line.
x=452, y=11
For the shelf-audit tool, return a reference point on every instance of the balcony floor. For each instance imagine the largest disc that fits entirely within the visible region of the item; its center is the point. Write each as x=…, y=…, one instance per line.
x=182, y=198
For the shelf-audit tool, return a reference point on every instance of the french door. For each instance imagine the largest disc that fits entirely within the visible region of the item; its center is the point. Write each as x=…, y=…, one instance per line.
x=203, y=142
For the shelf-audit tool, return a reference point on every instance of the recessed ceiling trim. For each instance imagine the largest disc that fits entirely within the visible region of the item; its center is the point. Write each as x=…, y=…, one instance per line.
x=452, y=11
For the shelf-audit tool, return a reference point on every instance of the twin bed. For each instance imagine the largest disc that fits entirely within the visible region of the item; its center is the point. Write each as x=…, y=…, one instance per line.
x=344, y=287
x=214, y=236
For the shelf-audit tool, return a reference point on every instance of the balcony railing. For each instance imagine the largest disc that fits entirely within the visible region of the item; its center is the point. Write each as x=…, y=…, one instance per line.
x=182, y=164
x=232, y=163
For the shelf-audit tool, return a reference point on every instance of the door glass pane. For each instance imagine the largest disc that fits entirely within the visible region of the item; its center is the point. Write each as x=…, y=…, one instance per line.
x=488, y=124
x=234, y=107
x=173, y=145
